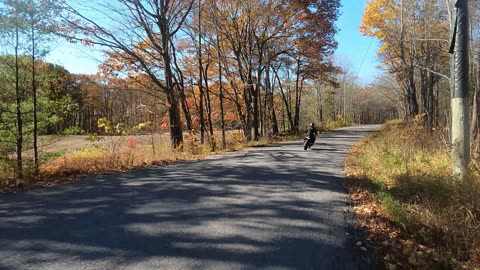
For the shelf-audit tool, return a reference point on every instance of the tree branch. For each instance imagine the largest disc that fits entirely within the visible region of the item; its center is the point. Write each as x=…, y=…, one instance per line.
x=434, y=72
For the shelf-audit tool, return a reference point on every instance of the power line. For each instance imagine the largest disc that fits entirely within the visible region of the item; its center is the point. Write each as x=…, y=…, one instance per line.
x=365, y=56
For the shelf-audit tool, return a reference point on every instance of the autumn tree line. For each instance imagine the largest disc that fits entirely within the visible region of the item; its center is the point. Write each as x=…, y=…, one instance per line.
x=262, y=67
x=415, y=40
x=236, y=51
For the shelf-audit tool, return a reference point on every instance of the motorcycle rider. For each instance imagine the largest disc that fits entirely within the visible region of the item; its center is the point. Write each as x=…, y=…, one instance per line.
x=312, y=132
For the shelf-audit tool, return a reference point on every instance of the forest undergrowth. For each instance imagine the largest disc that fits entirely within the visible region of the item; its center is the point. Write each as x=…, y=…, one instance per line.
x=417, y=214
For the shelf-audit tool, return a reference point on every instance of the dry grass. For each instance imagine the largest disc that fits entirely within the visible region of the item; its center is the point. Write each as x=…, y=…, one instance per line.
x=407, y=174
x=7, y=171
x=115, y=157
x=87, y=155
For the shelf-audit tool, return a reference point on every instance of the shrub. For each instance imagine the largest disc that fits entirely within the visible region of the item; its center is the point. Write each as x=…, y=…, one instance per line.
x=74, y=131
x=93, y=137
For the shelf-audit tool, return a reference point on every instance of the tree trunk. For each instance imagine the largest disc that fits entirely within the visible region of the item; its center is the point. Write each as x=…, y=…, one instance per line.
x=413, y=93
x=220, y=86
x=176, y=132
x=200, y=74
x=181, y=90
x=431, y=100
x=241, y=116
x=247, y=93
x=34, y=94
x=19, y=139
x=296, y=122
x=270, y=103
x=285, y=100
x=176, y=135
x=208, y=103
x=423, y=91
x=256, y=114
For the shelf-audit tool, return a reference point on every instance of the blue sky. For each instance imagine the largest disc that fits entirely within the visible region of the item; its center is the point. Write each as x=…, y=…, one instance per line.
x=358, y=51
x=76, y=58
x=355, y=50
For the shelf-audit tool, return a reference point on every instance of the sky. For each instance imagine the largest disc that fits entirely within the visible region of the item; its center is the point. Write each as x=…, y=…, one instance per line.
x=355, y=51
x=76, y=58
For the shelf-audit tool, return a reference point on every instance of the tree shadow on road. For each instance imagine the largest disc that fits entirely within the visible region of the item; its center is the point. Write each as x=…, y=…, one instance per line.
x=226, y=212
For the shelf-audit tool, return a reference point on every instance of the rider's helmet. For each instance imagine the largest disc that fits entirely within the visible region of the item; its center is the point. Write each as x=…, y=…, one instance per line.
x=312, y=125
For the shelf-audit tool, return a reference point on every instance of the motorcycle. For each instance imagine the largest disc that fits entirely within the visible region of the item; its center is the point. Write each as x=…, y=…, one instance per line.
x=308, y=142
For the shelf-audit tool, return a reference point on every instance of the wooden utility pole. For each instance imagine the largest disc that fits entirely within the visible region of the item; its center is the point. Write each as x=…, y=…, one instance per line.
x=460, y=91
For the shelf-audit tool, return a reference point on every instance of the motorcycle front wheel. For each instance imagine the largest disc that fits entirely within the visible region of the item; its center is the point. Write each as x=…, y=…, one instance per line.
x=305, y=145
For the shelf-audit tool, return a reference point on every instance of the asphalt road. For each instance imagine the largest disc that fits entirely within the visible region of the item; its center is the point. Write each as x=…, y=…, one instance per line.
x=276, y=207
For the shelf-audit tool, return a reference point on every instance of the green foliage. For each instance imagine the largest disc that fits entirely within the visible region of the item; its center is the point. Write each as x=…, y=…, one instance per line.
x=118, y=129
x=143, y=126
x=73, y=131
x=51, y=110
x=105, y=124
x=394, y=209
x=52, y=155
x=16, y=83
x=47, y=116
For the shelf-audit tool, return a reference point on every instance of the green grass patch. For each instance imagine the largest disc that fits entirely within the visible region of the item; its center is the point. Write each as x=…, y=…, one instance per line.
x=394, y=209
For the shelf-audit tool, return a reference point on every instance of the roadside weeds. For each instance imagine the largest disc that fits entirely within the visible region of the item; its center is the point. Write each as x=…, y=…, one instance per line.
x=416, y=215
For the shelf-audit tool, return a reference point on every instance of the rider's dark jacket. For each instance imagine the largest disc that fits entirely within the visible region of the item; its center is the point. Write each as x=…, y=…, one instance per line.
x=312, y=132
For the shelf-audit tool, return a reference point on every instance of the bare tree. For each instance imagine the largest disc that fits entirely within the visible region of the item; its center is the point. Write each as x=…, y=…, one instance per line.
x=137, y=32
